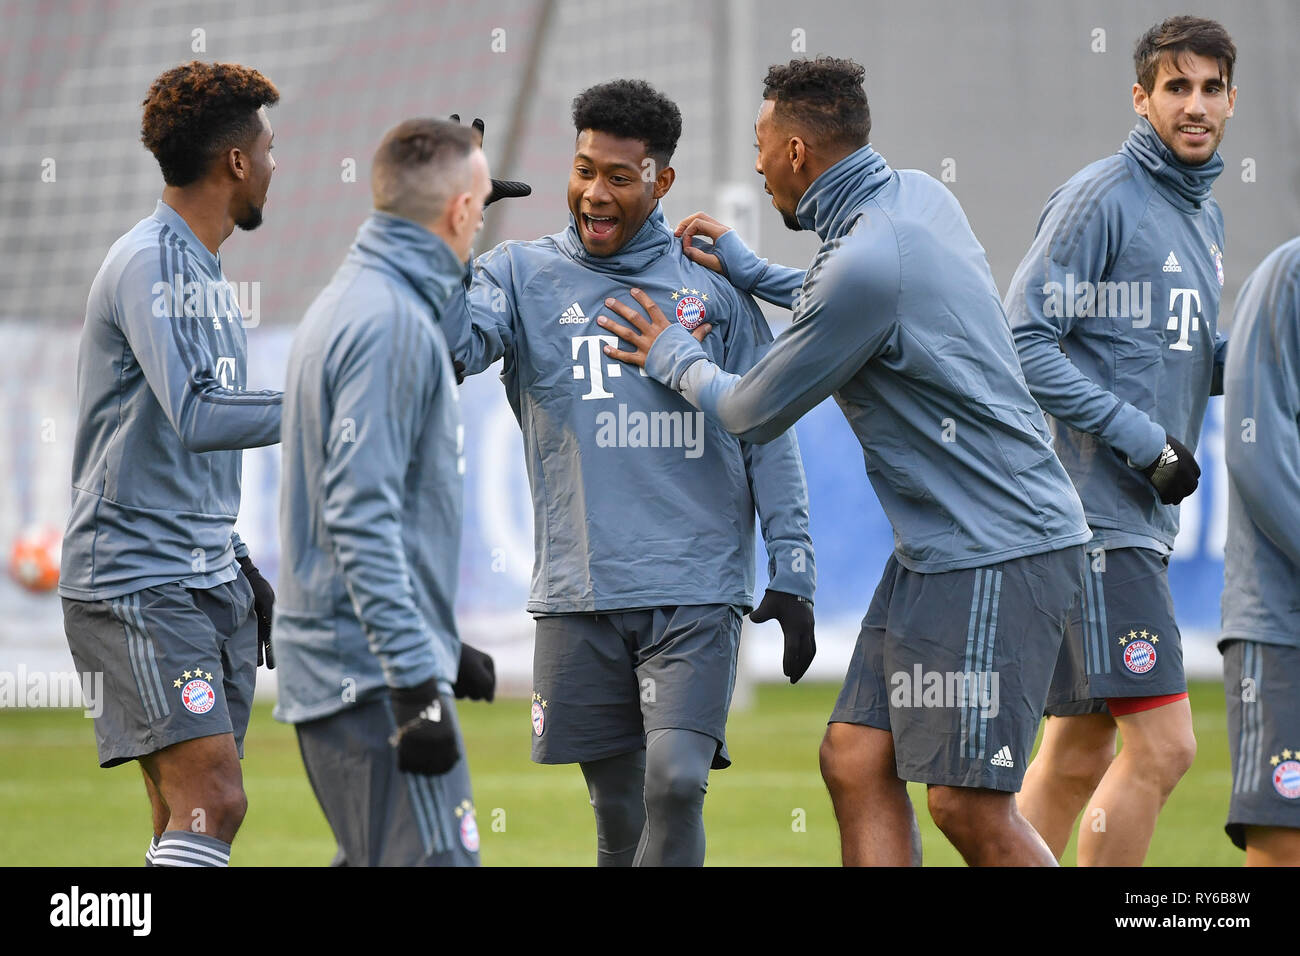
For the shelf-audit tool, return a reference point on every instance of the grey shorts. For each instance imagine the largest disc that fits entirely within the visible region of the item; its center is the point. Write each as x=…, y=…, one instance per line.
x=601, y=682
x=956, y=665
x=381, y=816
x=1259, y=682
x=178, y=664
x=1122, y=640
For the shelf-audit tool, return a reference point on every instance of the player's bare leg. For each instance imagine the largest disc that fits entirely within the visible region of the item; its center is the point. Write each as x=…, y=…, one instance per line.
x=1074, y=756
x=157, y=805
x=201, y=783
x=1272, y=846
x=1157, y=747
x=986, y=828
x=877, y=823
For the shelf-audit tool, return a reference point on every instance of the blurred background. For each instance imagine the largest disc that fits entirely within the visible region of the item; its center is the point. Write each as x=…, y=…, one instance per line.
x=1003, y=100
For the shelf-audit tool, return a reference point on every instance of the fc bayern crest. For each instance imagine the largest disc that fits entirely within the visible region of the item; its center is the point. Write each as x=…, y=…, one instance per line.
x=690, y=312
x=539, y=718
x=197, y=696
x=469, y=832
x=1139, y=656
x=1286, y=779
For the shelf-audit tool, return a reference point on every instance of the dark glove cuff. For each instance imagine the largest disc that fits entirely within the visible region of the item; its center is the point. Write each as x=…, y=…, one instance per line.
x=416, y=698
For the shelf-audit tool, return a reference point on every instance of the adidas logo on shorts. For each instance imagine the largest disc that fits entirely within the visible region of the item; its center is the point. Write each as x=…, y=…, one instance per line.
x=1002, y=758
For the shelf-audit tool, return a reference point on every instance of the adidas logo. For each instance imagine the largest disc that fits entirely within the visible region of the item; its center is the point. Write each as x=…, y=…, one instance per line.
x=1002, y=758
x=1171, y=264
x=573, y=315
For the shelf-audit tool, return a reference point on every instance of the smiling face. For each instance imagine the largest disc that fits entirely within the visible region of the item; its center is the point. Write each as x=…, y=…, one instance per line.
x=1188, y=106
x=258, y=165
x=613, y=186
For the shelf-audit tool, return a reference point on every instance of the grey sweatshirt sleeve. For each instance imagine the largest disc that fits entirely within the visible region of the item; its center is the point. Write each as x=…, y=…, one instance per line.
x=775, y=470
x=747, y=272
x=847, y=312
x=236, y=542
x=375, y=380
x=1262, y=442
x=1077, y=247
x=177, y=361
x=479, y=324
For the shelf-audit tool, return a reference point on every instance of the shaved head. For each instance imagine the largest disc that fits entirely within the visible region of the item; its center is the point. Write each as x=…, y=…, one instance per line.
x=420, y=165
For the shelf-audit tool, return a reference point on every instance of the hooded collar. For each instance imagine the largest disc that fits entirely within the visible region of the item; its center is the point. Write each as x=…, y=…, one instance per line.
x=1192, y=184
x=651, y=241
x=176, y=222
x=416, y=254
x=836, y=194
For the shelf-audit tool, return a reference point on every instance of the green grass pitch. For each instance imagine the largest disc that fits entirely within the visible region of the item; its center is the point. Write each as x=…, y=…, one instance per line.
x=57, y=808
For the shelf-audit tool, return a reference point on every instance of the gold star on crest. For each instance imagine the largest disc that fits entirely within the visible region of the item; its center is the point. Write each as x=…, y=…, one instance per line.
x=674, y=296
x=684, y=290
x=538, y=698
x=177, y=682
x=705, y=297
x=1144, y=633
x=1286, y=755
x=1123, y=639
x=695, y=292
x=464, y=808
x=1273, y=760
x=209, y=675
x=186, y=675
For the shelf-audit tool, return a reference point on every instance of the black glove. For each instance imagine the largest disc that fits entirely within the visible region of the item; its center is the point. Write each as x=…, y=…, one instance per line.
x=425, y=739
x=796, y=616
x=501, y=188
x=263, y=603
x=1174, y=473
x=458, y=367
x=477, y=678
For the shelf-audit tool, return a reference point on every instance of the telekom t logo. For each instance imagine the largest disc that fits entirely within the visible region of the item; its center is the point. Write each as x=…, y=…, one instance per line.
x=594, y=371
x=1187, y=317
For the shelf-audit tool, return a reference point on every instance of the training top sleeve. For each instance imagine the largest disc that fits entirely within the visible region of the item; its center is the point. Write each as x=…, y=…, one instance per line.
x=846, y=314
x=1262, y=447
x=747, y=272
x=236, y=542
x=479, y=324
x=177, y=361
x=775, y=470
x=1079, y=242
x=374, y=384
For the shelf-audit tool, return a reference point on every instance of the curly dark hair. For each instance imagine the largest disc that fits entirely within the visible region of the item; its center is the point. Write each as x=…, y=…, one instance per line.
x=632, y=109
x=1178, y=35
x=199, y=110
x=825, y=97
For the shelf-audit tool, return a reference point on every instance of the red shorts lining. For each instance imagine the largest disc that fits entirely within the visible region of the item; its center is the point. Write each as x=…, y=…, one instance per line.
x=1122, y=706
